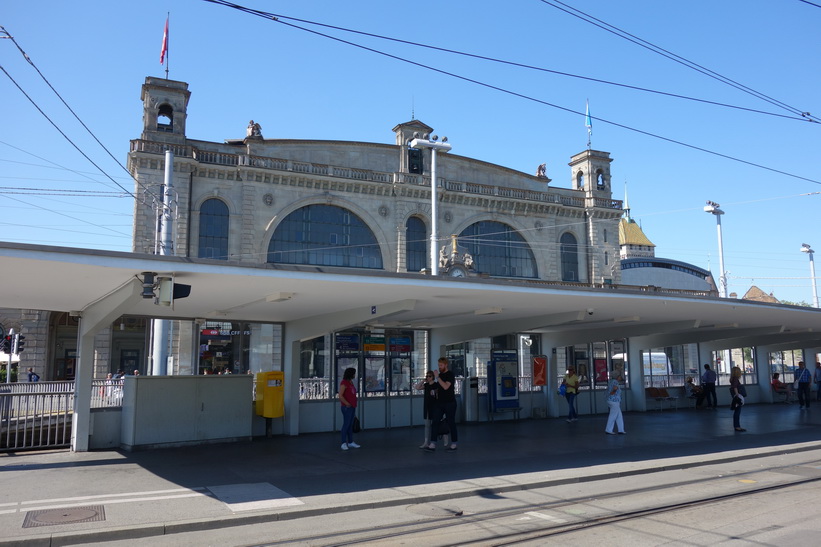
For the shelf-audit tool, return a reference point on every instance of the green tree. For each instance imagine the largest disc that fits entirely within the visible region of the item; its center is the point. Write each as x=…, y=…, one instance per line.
x=803, y=303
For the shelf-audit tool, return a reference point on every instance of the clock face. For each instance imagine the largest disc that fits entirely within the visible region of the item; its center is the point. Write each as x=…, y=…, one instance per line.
x=457, y=272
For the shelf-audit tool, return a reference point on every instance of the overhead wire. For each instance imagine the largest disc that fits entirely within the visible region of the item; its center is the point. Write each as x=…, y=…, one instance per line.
x=273, y=18
x=673, y=57
x=525, y=66
x=65, y=215
x=28, y=59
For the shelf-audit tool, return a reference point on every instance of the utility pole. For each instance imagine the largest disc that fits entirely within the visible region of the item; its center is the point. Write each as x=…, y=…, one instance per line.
x=159, y=346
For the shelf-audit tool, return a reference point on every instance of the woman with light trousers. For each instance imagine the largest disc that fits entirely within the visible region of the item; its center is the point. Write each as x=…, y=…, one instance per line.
x=614, y=402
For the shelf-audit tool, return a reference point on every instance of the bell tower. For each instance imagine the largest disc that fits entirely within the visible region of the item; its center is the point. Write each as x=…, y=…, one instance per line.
x=411, y=160
x=590, y=171
x=165, y=104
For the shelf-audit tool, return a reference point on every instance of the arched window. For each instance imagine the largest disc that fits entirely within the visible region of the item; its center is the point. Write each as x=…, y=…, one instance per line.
x=325, y=235
x=415, y=246
x=165, y=118
x=580, y=180
x=498, y=250
x=213, y=230
x=570, y=257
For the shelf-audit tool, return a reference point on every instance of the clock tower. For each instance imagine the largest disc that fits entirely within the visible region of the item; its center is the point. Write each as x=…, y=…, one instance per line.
x=455, y=261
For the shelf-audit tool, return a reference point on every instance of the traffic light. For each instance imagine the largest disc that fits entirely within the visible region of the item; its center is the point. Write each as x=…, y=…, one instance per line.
x=17, y=346
x=170, y=291
x=5, y=344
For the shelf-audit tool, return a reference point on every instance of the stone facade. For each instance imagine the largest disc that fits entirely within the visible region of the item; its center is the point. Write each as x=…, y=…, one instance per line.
x=261, y=181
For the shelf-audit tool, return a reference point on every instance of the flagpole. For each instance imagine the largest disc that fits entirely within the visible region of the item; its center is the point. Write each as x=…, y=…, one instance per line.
x=164, y=50
x=588, y=122
x=167, y=39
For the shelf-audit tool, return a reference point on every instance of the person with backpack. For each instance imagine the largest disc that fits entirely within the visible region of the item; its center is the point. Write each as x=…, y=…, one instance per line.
x=33, y=376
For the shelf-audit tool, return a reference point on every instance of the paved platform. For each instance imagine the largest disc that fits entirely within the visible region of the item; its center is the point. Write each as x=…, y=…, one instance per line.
x=60, y=497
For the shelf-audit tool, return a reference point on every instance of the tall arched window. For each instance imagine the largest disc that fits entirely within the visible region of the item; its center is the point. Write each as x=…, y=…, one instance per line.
x=324, y=235
x=570, y=257
x=213, y=230
x=415, y=246
x=498, y=250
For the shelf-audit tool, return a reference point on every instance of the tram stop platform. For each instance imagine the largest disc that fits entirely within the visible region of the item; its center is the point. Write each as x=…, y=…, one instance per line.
x=60, y=497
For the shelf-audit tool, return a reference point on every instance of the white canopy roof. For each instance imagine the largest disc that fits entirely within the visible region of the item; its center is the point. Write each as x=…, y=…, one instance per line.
x=323, y=299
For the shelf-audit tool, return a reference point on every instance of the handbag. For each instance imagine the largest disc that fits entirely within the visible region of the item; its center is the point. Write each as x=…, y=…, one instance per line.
x=563, y=389
x=795, y=385
x=356, y=427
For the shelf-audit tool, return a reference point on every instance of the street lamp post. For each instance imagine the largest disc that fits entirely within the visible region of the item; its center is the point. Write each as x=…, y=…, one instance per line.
x=435, y=147
x=807, y=249
x=714, y=209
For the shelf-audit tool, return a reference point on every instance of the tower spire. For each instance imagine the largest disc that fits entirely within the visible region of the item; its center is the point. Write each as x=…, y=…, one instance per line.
x=626, y=203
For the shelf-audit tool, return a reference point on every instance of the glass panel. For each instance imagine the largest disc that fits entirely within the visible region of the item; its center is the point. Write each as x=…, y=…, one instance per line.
x=213, y=239
x=570, y=257
x=498, y=250
x=224, y=348
x=415, y=245
x=325, y=235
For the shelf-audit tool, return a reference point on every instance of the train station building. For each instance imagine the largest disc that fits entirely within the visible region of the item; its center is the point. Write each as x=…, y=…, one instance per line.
x=311, y=256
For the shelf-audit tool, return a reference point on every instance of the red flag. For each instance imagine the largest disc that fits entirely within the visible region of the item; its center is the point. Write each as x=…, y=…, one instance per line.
x=164, y=49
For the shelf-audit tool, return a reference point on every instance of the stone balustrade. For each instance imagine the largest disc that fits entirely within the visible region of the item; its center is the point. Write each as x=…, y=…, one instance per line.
x=560, y=196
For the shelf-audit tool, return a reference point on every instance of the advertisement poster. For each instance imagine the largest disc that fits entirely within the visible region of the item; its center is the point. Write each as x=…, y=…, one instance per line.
x=346, y=362
x=375, y=374
x=540, y=371
x=400, y=375
x=601, y=370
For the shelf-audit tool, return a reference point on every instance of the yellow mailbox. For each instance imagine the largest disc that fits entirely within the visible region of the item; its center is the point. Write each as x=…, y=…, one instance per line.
x=270, y=394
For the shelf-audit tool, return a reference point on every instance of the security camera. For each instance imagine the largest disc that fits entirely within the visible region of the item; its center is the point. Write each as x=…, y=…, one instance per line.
x=589, y=311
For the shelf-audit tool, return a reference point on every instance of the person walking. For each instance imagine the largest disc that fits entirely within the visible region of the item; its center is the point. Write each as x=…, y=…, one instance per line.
x=347, y=397
x=817, y=375
x=571, y=384
x=445, y=406
x=614, y=402
x=803, y=378
x=738, y=393
x=708, y=383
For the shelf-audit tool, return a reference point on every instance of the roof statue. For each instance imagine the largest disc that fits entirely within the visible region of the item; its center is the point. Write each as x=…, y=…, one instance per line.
x=254, y=130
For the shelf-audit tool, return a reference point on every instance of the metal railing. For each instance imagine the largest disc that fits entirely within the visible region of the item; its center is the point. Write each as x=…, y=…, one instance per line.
x=36, y=415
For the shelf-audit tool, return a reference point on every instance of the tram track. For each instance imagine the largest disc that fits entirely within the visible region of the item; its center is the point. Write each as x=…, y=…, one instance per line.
x=449, y=521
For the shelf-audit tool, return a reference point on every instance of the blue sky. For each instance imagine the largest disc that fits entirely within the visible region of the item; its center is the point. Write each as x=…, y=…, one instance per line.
x=296, y=84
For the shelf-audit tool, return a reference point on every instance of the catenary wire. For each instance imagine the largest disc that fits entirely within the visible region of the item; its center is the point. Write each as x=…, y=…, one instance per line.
x=64, y=215
x=525, y=66
x=514, y=93
x=30, y=62
x=66, y=137
x=672, y=56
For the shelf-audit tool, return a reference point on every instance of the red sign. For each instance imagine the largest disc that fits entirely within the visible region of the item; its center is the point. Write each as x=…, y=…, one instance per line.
x=540, y=371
